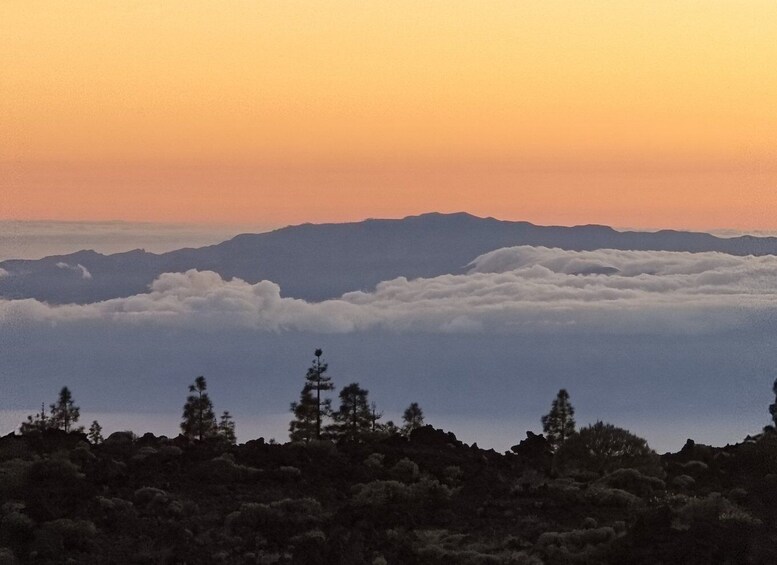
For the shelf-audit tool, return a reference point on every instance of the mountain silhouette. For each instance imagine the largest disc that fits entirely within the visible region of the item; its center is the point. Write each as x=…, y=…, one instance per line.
x=320, y=261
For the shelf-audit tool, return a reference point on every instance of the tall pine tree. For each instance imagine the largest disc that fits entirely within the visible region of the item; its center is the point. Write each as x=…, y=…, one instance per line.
x=354, y=417
x=413, y=418
x=226, y=428
x=64, y=412
x=95, y=434
x=303, y=426
x=311, y=402
x=559, y=423
x=199, y=421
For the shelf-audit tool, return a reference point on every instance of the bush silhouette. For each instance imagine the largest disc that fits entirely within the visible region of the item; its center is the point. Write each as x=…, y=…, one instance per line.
x=603, y=448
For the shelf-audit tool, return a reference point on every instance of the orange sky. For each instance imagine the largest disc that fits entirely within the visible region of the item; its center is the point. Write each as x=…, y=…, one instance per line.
x=642, y=114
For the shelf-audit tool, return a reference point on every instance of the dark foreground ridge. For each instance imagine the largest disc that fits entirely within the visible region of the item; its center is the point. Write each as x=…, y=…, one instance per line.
x=422, y=499
x=344, y=257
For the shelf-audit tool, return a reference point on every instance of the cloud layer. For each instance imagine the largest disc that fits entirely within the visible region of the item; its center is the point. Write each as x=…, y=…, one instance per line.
x=78, y=268
x=517, y=289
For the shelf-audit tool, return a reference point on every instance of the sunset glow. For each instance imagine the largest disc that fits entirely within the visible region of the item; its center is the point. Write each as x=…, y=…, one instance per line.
x=649, y=114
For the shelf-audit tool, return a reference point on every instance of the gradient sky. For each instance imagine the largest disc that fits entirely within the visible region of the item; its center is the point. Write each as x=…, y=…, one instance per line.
x=642, y=114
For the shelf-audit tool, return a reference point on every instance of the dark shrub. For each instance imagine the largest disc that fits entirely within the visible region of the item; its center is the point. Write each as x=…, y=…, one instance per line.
x=633, y=481
x=603, y=448
x=53, y=488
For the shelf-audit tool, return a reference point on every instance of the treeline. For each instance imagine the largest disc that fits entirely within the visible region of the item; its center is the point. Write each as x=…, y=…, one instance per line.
x=355, y=419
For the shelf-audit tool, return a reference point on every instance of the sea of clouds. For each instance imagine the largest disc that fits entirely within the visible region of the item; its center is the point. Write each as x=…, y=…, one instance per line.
x=517, y=289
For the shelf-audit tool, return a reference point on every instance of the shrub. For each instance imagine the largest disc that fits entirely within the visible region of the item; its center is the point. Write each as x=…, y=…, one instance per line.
x=56, y=537
x=431, y=492
x=381, y=493
x=565, y=491
x=453, y=474
x=16, y=530
x=170, y=451
x=604, y=496
x=375, y=461
x=82, y=454
x=308, y=546
x=406, y=471
x=603, y=448
x=151, y=499
x=279, y=520
x=223, y=469
x=7, y=557
x=143, y=453
x=584, y=546
x=288, y=473
x=737, y=495
x=115, y=512
x=441, y=547
x=53, y=488
x=12, y=476
x=13, y=447
x=683, y=482
x=714, y=508
x=631, y=480
x=577, y=538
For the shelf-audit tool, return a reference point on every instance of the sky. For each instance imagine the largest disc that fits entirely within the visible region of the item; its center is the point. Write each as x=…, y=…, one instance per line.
x=165, y=123
x=32, y=239
x=639, y=114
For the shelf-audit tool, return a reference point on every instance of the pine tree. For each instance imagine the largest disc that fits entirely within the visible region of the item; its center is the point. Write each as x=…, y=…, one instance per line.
x=318, y=383
x=226, y=427
x=199, y=421
x=64, y=412
x=303, y=427
x=354, y=417
x=773, y=407
x=559, y=423
x=413, y=418
x=95, y=434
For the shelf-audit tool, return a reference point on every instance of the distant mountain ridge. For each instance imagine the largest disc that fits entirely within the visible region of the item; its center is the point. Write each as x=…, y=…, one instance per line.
x=320, y=261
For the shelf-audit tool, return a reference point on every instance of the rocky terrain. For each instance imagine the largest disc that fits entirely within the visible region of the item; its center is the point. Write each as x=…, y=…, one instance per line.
x=389, y=499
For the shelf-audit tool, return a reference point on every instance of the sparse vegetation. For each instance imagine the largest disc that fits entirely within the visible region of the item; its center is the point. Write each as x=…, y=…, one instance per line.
x=376, y=494
x=63, y=415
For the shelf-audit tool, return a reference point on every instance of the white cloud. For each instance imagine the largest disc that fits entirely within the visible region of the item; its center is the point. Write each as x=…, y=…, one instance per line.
x=519, y=289
x=79, y=268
